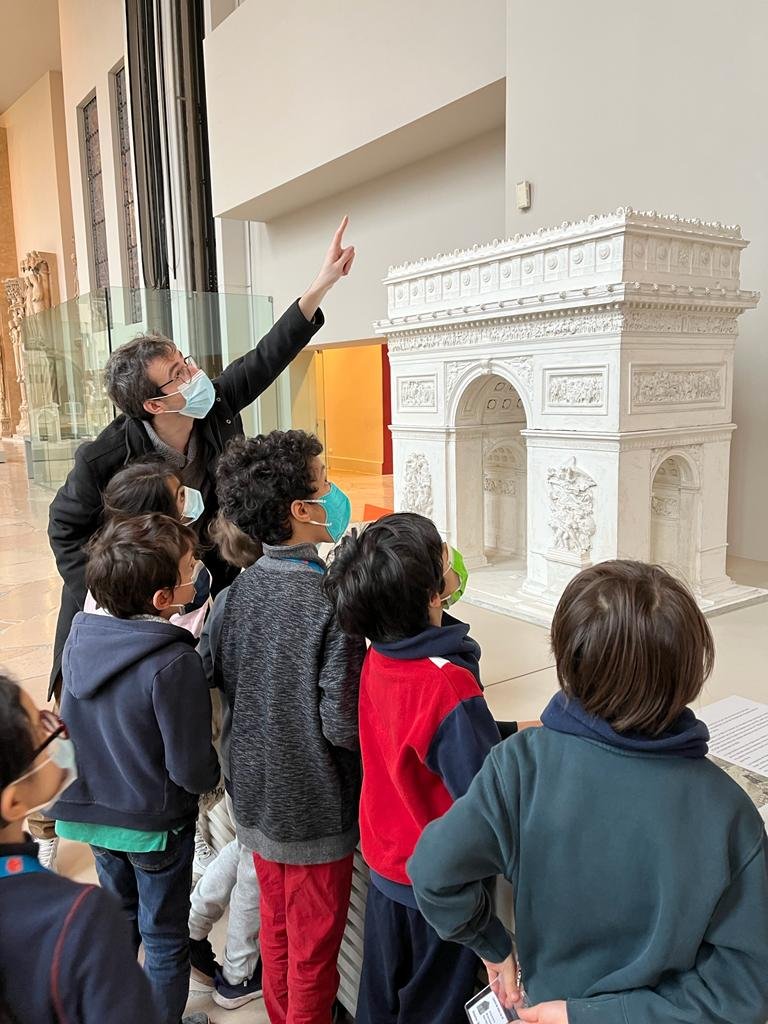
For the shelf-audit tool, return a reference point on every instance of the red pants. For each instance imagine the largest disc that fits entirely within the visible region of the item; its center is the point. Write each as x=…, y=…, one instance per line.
x=303, y=916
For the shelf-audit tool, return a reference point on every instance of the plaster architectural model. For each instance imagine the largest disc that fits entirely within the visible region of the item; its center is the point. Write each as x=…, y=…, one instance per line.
x=564, y=397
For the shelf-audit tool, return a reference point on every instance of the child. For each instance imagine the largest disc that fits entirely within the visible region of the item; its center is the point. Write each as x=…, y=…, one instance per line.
x=230, y=880
x=147, y=485
x=65, y=952
x=136, y=702
x=291, y=678
x=150, y=485
x=640, y=869
x=425, y=730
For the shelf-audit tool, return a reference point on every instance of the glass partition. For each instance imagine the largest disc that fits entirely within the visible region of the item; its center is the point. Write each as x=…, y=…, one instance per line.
x=66, y=348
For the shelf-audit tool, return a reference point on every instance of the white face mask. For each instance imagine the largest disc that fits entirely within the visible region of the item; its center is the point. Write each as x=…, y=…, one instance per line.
x=61, y=752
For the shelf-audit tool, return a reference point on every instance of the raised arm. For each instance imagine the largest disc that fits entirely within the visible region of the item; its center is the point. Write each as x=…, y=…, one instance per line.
x=247, y=377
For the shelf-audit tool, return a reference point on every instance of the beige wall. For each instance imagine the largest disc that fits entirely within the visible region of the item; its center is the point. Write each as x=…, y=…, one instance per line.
x=662, y=106
x=42, y=208
x=453, y=199
x=92, y=46
x=288, y=92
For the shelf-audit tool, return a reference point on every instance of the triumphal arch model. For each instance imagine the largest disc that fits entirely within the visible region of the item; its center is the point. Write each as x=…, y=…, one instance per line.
x=564, y=397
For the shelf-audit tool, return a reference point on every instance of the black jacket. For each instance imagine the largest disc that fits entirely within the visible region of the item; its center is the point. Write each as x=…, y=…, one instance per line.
x=137, y=705
x=76, y=511
x=66, y=953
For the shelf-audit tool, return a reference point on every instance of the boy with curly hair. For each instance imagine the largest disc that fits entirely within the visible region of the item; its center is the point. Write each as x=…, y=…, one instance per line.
x=291, y=677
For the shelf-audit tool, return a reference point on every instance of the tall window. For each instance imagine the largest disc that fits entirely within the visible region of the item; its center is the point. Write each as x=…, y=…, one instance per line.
x=95, y=194
x=126, y=178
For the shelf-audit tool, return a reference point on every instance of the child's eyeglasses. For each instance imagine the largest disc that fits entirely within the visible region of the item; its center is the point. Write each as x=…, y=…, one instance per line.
x=53, y=727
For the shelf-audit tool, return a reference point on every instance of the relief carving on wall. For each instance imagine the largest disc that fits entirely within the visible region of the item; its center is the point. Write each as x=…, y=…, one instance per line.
x=578, y=389
x=499, y=485
x=417, y=485
x=665, y=507
x=652, y=321
x=419, y=393
x=523, y=329
x=677, y=387
x=571, y=507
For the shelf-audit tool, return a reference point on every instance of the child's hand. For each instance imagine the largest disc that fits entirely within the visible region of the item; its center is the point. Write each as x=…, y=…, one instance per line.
x=545, y=1013
x=503, y=979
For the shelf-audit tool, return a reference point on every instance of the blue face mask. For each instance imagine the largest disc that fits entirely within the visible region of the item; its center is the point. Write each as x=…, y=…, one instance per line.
x=198, y=395
x=202, y=590
x=194, y=506
x=338, y=512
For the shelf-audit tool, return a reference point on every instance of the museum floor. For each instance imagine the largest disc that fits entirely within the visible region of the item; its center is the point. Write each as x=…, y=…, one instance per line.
x=517, y=666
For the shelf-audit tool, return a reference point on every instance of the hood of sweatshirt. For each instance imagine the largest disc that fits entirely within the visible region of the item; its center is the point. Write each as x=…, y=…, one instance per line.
x=101, y=647
x=451, y=641
x=686, y=737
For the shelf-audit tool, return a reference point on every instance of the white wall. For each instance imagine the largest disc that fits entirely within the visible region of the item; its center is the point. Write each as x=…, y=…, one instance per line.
x=293, y=87
x=453, y=199
x=92, y=46
x=661, y=106
x=42, y=210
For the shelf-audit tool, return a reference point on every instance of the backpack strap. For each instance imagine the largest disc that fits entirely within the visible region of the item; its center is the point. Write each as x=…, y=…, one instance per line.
x=56, y=962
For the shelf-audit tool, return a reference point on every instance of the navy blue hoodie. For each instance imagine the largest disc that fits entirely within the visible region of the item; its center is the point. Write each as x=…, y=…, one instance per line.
x=136, y=702
x=639, y=868
x=66, y=955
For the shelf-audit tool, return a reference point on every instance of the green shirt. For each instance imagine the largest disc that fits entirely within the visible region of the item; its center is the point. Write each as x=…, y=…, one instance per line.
x=111, y=837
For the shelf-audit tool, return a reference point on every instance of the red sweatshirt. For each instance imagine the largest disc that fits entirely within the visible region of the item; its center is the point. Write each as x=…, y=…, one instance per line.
x=425, y=730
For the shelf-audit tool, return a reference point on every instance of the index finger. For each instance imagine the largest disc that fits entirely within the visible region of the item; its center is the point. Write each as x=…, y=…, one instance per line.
x=340, y=230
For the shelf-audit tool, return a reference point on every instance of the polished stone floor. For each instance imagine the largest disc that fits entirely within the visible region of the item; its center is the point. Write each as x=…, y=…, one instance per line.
x=517, y=666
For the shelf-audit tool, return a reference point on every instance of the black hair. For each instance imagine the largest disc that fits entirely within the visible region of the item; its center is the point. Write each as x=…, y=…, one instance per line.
x=142, y=487
x=125, y=373
x=382, y=579
x=17, y=744
x=258, y=478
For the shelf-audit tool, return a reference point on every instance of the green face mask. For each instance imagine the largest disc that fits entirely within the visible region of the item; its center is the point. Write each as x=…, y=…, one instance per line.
x=458, y=566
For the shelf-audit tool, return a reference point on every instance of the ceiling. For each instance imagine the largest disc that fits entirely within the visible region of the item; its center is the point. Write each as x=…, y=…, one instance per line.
x=29, y=45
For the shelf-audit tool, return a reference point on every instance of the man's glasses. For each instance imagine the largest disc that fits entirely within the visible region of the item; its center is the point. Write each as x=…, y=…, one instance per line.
x=183, y=375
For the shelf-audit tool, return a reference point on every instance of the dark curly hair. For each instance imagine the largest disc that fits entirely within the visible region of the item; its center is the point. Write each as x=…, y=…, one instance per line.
x=381, y=580
x=257, y=479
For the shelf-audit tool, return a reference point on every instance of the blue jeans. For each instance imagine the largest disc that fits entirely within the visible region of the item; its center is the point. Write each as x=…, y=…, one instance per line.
x=153, y=889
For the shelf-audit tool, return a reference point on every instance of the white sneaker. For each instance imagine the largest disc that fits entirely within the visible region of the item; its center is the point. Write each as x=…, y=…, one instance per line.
x=47, y=851
x=204, y=855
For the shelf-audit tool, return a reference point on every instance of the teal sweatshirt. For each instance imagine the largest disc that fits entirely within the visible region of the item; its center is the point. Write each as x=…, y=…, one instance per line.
x=640, y=878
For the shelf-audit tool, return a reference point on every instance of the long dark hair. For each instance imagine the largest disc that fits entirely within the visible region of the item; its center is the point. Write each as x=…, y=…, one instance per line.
x=141, y=487
x=16, y=750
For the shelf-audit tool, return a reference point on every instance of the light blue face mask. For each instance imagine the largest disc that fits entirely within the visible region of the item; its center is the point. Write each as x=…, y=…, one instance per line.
x=61, y=752
x=198, y=395
x=194, y=506
x=338, y=512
